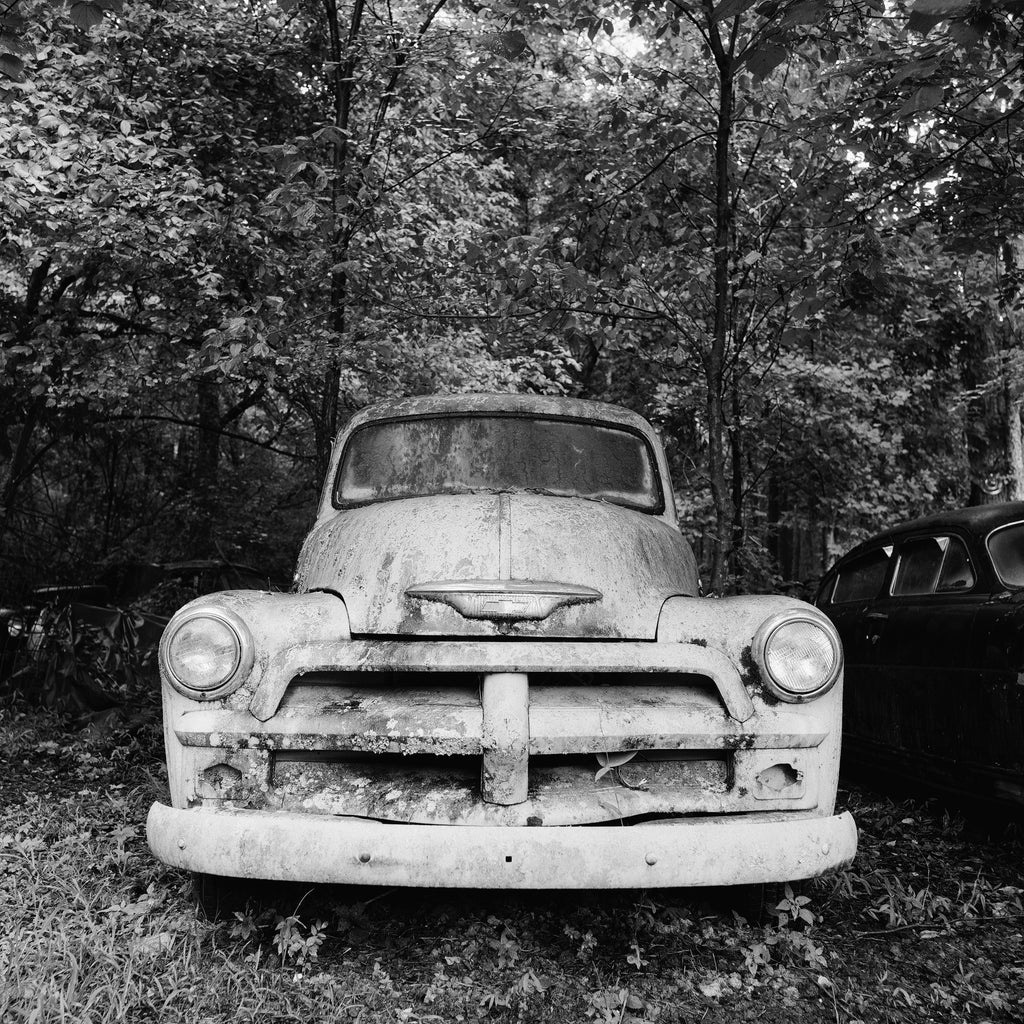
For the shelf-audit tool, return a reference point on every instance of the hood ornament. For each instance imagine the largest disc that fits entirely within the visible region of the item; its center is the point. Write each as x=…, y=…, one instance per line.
x=503, y=600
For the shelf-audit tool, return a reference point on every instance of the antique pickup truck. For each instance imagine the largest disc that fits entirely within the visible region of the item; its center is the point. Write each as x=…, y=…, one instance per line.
x=495, y=671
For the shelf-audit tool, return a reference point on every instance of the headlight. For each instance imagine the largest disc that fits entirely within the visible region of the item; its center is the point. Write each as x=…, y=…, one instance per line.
x=207, y=653
x=799, y=655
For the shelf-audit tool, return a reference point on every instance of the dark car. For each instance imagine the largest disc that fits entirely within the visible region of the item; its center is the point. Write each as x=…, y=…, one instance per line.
x=931, y=615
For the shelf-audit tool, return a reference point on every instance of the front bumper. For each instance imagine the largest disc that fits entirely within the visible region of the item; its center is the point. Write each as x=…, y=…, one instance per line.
x=720, y=850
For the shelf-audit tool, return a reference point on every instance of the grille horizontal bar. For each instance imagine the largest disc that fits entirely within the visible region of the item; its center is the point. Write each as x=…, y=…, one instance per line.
x=448, y=719
x=486, y=657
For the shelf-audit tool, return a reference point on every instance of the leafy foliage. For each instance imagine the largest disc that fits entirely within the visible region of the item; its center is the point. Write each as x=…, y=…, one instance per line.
x=789, y=232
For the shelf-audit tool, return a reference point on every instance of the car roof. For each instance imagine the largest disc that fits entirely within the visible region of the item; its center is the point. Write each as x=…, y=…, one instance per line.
x=427, y=405
x=977, y=520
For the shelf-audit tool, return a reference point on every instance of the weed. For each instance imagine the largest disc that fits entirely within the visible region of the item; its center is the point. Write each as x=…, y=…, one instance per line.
x=384, y=982
x=493, y=999
x=793, y=909
x=244, y=927
x=291, y=944
x=586, y=940
x=529, y=983
x=506, y=947
x=635, y=957
x=608, y=1006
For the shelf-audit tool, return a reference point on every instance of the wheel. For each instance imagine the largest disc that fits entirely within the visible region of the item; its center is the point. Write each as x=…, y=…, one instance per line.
x=218, y=897
x=756, y=901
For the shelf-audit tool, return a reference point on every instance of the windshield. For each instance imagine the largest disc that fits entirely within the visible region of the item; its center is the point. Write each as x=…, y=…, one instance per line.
x=464, y=454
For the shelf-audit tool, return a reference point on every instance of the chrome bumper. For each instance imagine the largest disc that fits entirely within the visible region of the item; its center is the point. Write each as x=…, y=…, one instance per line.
x=721, y=850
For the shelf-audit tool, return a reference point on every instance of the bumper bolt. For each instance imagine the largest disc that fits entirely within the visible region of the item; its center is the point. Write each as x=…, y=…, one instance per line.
x=364, y=858
x=651, y=859
x=181, y=844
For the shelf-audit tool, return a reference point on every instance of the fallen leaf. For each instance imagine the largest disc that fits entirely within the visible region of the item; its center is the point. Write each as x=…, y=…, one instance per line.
x=152, y=945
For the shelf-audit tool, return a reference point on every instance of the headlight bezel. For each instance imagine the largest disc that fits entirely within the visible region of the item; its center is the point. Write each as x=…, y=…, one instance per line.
x=244, y=656
x=763, y=637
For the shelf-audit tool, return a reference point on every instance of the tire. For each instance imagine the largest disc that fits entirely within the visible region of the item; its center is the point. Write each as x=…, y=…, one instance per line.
x=756, y=902
x=218, y=898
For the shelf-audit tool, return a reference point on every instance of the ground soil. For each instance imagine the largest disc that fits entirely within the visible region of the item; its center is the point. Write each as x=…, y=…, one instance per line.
x=925, y=926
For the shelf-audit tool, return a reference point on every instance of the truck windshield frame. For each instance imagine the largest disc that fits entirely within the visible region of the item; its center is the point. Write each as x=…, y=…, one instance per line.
x=498, y=452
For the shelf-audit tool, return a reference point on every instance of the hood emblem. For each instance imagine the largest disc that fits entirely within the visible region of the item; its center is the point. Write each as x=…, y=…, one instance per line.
x=503, y=600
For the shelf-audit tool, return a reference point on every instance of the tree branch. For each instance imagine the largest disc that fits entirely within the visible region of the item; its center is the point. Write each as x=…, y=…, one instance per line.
x=401, y=59
x=181, y=422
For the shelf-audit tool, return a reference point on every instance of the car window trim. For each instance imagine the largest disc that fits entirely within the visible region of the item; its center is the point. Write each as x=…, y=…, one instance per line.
x=882, y=592
x=949, y=534
x=656, y=510
x=995, y=569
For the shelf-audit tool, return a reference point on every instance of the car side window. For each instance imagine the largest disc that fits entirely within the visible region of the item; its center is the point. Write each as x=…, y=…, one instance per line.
x=957, y=573
x=1006, y=546
x=919, y=565
x=862, y=579
x=932, y=565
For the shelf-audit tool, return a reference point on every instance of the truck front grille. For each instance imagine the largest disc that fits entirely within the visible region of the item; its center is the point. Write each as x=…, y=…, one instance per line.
x=501, y=749
x=561, y=790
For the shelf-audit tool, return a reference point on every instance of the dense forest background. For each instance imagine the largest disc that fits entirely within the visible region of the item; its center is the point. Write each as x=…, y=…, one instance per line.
x=789, y=233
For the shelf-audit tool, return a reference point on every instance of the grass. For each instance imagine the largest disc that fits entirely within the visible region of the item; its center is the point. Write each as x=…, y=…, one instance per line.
x=927, y=925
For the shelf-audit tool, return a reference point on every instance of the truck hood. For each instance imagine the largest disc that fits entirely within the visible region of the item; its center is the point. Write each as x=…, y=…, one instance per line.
x=609, y=568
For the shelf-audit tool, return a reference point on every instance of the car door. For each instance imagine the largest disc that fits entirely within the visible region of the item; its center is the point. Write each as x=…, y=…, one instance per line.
x=855, y=597
x=991, y=715
x=924, y=658
x=998, y=640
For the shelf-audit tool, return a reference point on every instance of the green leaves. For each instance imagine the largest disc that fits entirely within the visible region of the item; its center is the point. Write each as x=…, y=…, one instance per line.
x=731, y=8
x=545, y=224
x=86, y=15
x=12, y=66
x=923, y=99
x=509, y=44
x=807, y=12
x=766, y=58
x=12, y=46
x=942, y=8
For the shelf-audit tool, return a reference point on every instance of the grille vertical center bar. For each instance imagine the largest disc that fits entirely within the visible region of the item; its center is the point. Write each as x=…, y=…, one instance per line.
x=504, y=537
x=504, y=774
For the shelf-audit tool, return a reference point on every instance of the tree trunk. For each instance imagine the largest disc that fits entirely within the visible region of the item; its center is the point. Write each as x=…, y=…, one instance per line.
x=780, y=539
x=206, y=471
x=986, y=416
x=1009, y=334
x=714, y=362
x=736, y=450
x=829, y=548
x=343, y=59
x=18, y=467
x=1014, y=447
